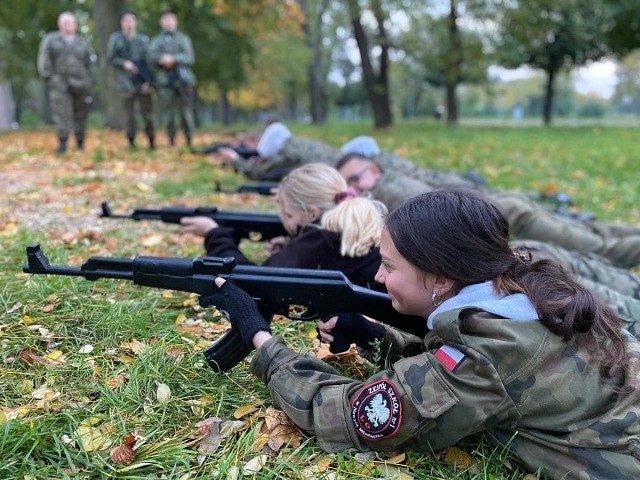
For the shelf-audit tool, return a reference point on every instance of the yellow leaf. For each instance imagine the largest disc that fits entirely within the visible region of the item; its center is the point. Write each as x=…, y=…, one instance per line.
x=27, y=319
x=167, y=294
x=396, y=459
x=244, y=410
x=91, y=438
x=457, y=457
x=55, y=355
x=3, y=417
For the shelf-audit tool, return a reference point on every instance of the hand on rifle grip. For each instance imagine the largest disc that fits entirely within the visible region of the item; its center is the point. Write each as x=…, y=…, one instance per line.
x=239, y=308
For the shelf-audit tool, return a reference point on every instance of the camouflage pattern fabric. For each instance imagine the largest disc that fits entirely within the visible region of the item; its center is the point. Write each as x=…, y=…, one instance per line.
x=390, y=162
x=526, y=388
x=295, y=152
x=531, y=221
x=527, y=220
x=585, y=266
x=68, y=66
x=174, y=90
x=135, y=49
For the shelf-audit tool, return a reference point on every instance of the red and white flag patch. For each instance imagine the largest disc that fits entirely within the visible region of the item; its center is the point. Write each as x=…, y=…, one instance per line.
x=450, y=357
x=376, y=411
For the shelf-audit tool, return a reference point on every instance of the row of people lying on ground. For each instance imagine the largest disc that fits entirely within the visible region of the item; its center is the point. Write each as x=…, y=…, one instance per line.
x=513, y=347
x=393, y=179
x=332, y=228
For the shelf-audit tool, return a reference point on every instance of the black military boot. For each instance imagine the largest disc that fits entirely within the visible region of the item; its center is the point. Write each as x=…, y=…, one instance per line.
x=62, y=145
x=80, y=142
x=132, y=142
x=152, y=142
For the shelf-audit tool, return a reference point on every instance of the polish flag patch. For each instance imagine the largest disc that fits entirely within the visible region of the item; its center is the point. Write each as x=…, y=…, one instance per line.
x=450, y=357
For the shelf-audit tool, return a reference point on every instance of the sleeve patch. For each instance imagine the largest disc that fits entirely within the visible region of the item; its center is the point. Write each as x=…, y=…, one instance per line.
x=376, y=411
x=450, y=357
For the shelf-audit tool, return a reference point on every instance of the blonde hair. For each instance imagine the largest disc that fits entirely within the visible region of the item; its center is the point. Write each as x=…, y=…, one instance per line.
x=358, y=220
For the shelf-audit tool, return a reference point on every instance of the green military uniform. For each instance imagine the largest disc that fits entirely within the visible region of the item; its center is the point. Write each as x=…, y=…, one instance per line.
x=475, y=371
x=295, y=152
x=134, y=88
x=175, y=86
x=438, y=178
x=528, y=220
x=68, y=66
x=585, y=266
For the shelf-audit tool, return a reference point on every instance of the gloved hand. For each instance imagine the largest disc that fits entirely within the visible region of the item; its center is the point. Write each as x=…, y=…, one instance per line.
x=240, y=309
x=354, y=328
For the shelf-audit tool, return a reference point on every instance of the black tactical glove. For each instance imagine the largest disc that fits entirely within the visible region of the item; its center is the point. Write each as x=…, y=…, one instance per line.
x=354, y=328
x=240, y=309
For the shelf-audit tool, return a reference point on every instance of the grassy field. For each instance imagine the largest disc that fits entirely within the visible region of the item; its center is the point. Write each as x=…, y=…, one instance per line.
x=90, y=368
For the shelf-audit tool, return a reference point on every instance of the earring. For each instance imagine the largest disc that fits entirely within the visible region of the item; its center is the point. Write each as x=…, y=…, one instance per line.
x=433, y=298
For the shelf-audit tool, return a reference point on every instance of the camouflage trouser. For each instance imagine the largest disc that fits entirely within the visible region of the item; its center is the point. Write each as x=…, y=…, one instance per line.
x=528, y=220
x=172, y=102
x=617, y=287
x=588, y=266
x=145, y=106
x=69, y=112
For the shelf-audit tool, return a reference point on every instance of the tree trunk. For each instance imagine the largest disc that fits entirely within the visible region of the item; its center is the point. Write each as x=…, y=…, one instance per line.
x=107, y=20
x=225, y=105
x=377, y=85
x=547, y=109
x=454, y=70
x=314, y=42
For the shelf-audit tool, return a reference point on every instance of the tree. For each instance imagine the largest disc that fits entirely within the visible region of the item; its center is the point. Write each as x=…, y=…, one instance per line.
x=551, y=35
x=623, y=34
x=447, y=54
x=376, y=83
x=107, y=20
x=314, y=11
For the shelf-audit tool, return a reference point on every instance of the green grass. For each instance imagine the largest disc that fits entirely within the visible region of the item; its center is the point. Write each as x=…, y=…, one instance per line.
x=51, y=315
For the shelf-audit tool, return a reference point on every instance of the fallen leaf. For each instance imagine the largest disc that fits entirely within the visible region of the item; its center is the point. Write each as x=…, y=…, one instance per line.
x=244, y=410
x=254, y=465
x=122, y=454
x=457, y=457
x=163, y=393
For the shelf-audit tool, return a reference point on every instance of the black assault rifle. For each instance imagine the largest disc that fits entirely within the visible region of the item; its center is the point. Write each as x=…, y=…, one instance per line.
x=260, y=188
x=241, y=149
x=254, y=226
x=277, y=291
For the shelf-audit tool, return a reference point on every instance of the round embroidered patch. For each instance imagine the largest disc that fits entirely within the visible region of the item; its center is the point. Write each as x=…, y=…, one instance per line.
x=377, y=412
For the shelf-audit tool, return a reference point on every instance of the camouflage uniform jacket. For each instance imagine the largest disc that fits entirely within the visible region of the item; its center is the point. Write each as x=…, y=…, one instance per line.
x=120, y=49
x=474, y=372
x=438, y=178
x=295, y=152
x=67, y=64
x=179, y=45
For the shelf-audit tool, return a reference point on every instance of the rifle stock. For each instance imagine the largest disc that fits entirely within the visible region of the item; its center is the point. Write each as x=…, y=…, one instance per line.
x=254, y=226
x=276, y=291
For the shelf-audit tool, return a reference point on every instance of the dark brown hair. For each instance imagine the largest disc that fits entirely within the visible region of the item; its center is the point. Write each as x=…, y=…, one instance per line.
x=459, y=235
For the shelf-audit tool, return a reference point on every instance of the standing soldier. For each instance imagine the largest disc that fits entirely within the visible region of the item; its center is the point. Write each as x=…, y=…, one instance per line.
x=127, y=52
x=171, y=52
x=67, y=63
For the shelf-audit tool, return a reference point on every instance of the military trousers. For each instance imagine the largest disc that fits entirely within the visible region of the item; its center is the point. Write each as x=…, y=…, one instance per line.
x=69, y=112
x=144, y=103
x=174, y=102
